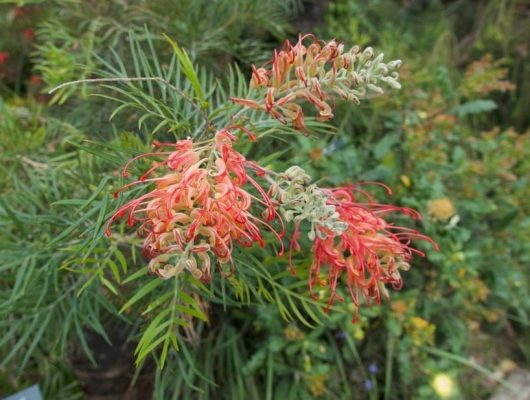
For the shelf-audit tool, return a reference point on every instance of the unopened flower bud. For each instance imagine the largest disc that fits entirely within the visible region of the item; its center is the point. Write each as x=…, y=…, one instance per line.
x=375, y=88
x=395, y=64
x=368, y=53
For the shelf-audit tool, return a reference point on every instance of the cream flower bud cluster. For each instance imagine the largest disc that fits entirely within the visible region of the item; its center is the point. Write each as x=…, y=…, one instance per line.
x=361, y=73
x=301, y=201
x=314, y=71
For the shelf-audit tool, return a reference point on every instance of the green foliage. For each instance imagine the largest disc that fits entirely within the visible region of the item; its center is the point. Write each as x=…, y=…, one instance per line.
x=73, y=42
x=445, y=145
x=92, y=279
x=442, y=153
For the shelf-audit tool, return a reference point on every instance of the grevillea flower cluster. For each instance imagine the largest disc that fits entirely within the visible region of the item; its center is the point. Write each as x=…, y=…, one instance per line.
x=369, y=253
x=314, y=72
x=207, y=198
x=351, y=239
x=199, y=207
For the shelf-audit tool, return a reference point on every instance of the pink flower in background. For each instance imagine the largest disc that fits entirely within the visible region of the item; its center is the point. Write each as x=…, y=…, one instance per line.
x=35, y=80
x=4, y=55
x=28, y=33
x=21, y=11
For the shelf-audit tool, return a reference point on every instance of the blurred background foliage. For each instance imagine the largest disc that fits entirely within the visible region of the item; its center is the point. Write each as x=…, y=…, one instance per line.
x=453, y=143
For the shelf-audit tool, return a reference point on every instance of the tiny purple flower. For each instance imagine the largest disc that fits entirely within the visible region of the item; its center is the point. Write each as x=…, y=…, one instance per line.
x=341, y=335
x=368, y=385
x=373, y=368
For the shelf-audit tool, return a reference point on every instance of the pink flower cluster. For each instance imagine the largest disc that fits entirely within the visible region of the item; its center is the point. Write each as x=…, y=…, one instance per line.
x=4, y=55
x=293, y=75
x=368, y=254
x=316, y=72
x=199, y=206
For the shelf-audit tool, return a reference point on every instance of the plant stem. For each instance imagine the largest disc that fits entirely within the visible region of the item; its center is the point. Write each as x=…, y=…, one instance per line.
x=388, y=365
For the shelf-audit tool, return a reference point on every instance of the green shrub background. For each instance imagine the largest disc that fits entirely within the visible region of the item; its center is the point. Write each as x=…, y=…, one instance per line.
x=452, y=143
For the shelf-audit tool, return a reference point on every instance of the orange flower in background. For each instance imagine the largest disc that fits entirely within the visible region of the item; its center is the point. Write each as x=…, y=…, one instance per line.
x=199, y=207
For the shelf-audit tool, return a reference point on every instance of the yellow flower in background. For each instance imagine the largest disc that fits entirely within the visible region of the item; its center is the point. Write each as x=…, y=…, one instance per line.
x=358, y=333
x=317, y=384
x=405, y=180
x=292, y=333
x=479, y=291
x=400, y=307
x=441, y=209
x=420, y=330
x=507, y=366
x=419, y=323
x=443, y=385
